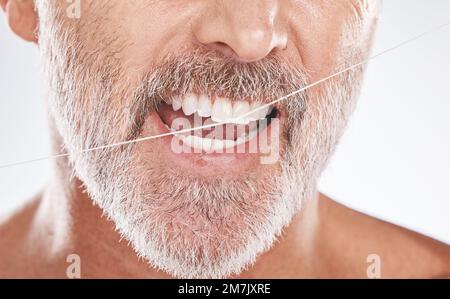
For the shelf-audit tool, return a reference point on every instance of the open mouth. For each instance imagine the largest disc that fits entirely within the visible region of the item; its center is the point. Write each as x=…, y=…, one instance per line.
x=229, y=123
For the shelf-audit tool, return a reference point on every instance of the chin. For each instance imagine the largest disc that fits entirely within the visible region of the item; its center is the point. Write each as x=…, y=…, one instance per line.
x=196, y=214
x=196, y=228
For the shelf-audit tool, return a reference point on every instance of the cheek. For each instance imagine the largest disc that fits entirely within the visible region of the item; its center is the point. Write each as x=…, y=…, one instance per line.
x=151, y=31
x=324, y=35
x=137, y=33
x=320, y=55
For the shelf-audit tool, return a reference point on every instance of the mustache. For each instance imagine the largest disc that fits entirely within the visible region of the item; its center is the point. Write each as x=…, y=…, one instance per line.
x=208, y=72
x=203, y=71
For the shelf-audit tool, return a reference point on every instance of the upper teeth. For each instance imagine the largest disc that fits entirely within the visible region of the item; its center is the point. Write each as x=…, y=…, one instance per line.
x=222, y=110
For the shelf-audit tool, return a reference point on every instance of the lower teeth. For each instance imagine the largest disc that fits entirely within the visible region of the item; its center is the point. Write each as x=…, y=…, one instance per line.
x=214, y=145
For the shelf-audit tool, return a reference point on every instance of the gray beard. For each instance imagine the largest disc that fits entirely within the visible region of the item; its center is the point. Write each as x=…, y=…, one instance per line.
x=185, y=226
x=162, y=214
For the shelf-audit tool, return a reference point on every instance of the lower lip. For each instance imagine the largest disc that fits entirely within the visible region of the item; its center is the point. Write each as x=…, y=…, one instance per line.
x=192, y=162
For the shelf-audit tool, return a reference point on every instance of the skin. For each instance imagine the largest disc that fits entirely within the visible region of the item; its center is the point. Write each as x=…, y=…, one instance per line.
x=325, y=239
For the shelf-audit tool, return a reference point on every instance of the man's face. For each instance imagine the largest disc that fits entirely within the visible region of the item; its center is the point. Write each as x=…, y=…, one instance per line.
x=207, y=204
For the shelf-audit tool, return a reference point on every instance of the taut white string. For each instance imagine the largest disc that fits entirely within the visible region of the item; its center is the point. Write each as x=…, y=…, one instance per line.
x=347, y=69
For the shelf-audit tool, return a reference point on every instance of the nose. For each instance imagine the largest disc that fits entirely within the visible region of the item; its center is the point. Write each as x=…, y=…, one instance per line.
x=247, y=30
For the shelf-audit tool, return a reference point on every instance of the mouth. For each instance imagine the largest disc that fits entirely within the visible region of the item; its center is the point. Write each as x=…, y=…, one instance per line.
x=229, y=124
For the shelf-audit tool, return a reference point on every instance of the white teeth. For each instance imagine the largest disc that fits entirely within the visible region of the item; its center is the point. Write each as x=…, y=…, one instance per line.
x=252, y=134
x=263, y=112
x=176, y=103
x=222, y=110
x=197, y=142
x=217, y=145
x=241, y=108
x=260, y=113
x=255, y=114
x=204, y=106
x=189, y=104
x=213, y=145
x=206, y=145
x=228, y=143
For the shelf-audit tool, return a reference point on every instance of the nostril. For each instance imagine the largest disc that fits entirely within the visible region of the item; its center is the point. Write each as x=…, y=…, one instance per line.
x=222, y=48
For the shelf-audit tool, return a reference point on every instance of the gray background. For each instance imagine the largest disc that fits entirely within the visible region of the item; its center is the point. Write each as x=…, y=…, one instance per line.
x=393, y=162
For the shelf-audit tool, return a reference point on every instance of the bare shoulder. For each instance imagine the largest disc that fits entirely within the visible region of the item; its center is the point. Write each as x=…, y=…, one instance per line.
x=401, y=252
x=14, y=229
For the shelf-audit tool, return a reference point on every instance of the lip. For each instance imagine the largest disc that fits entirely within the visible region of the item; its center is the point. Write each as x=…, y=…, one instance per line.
x=195, y=163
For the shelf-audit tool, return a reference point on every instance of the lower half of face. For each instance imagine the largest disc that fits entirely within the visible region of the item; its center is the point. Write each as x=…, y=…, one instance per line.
x=215, y=167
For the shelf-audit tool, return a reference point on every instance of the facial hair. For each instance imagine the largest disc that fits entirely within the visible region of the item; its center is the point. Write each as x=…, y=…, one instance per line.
x=189, y=227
